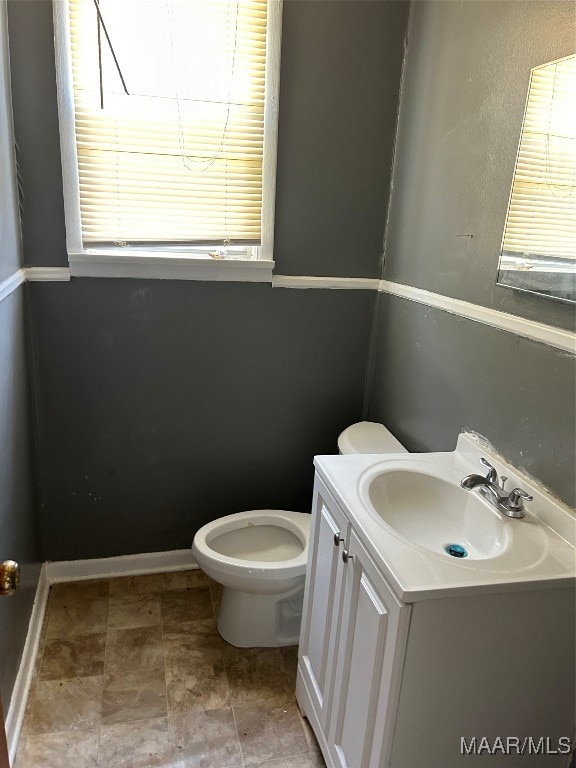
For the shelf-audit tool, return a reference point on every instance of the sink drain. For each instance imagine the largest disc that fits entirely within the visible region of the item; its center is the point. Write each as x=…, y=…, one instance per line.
x=456, y=550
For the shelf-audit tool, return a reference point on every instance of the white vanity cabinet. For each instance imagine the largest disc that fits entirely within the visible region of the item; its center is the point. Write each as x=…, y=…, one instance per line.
x=351, y=644
x=370, y=643
x=322, y=599
x=392, y=684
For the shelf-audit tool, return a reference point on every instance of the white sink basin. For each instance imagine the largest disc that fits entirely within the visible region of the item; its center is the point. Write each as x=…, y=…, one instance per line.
x=410, y=507
x=436, y=514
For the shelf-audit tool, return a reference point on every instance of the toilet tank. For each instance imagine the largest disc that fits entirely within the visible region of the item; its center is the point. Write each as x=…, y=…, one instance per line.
x=368, y=437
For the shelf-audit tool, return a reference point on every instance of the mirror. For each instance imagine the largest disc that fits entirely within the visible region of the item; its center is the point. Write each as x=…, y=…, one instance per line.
x=538, y=251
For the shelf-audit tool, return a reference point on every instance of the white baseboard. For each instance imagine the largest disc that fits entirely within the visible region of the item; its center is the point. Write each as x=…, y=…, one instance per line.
x=17, y=707
x=77, y=570
x=124, y=565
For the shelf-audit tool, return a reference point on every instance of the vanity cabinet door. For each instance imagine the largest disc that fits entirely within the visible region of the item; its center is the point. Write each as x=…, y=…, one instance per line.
x=368, y=665
x=322, y=598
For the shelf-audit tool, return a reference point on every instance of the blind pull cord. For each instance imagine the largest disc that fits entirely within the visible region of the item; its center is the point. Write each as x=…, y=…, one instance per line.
x=101, y=21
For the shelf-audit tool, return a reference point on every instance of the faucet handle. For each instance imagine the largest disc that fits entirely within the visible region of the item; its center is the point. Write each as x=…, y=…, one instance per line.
x=492, y=476
x=516, y=499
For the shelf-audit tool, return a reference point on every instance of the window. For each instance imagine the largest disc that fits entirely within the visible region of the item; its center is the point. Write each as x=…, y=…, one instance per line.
x=168, y=119
x=539, y=243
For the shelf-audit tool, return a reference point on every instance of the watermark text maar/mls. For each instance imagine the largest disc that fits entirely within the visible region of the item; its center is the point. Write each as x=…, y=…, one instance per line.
x=515, y=745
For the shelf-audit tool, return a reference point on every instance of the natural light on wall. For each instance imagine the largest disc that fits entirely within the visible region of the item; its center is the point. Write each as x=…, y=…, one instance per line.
x=169, y=108
x=539, y=244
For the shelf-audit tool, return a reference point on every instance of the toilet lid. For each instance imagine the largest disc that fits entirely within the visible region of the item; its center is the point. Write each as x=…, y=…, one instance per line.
x=369, y=437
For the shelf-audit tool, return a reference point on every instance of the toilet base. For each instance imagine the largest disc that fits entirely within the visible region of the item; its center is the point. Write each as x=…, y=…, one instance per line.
x=250, y=620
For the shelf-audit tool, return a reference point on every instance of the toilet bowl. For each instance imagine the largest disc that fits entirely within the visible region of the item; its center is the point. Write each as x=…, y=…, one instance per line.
x=260, y=558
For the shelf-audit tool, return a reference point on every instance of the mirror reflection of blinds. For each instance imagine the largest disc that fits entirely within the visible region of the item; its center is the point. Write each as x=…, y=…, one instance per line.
x=179, y=160
x=541, y=220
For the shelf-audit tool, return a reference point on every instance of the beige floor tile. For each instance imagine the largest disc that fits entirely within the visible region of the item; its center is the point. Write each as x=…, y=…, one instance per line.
x=69, y=749
x=129, y=611
x=260, y=678
x=77, y=618
x=138, y=744
x=196, y=687
x=206, y=739
x=196, y=642
x=231, y=651
x=130, y=650
x=149, y=584
x=298, y=761
x=76, y=656
x=65, y=705
x=185, y=579
x=152, y=716
x=315, y=751
x=40, y=651
x=28, y=711
x=268, y=733
x=289, y=656
x=133, y=696
x=216, y=593
x=78, y=592
x=181, y=606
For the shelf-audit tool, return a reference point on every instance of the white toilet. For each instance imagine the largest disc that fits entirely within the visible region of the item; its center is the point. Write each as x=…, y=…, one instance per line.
x=368, y=437
x=260, y=559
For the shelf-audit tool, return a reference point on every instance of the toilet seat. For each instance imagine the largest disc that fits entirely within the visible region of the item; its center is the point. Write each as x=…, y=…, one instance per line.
x=295, y=523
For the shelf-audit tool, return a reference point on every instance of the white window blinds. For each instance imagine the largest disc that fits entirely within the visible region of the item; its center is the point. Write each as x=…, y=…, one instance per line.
x=541, y=219
x=178, y=160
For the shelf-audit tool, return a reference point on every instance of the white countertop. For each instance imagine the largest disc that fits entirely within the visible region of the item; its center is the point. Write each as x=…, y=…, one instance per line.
x=417, y=573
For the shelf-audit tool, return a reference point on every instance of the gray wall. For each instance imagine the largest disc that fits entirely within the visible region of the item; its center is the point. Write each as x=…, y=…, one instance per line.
x=18, y=540
x=9, y=223
x=341, y=64
x=162, y=405
x=166, y=404
x=438, y=373
x=18, y=523
x=36, y=128
x=464, y=89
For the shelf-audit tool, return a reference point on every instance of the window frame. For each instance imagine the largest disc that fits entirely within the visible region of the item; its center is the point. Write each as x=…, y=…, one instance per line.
x=535, y=272
x=246, y=264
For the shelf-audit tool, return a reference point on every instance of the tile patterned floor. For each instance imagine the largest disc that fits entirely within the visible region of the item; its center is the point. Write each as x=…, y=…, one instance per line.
x=131, y=673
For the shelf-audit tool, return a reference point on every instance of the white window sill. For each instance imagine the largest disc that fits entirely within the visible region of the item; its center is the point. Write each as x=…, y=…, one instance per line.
x=170, y=267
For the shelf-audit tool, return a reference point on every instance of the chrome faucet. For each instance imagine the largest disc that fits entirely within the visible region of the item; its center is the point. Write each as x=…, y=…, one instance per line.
x=509, y=504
